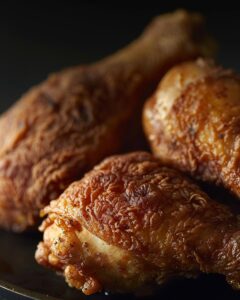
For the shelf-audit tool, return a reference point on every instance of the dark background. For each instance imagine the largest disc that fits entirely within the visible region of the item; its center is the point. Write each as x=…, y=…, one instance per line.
x=38, y=37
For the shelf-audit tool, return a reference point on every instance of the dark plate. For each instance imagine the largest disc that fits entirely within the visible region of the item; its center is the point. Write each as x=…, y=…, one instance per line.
x=19, y=274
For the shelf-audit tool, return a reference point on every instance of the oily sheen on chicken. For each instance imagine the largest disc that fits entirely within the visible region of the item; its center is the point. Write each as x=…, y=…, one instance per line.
x=132, y=222
x=193, y=122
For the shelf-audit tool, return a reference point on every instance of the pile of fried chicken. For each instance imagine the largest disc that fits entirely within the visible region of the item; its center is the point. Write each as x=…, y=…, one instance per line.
x=134, y=219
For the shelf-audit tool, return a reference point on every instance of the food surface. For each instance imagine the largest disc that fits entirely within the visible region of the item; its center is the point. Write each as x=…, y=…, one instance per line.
x=142, y=222
x=61, y=128
x=193, y=122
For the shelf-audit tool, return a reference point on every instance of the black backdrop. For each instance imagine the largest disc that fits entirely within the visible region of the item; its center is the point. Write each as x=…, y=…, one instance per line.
x=38, y=37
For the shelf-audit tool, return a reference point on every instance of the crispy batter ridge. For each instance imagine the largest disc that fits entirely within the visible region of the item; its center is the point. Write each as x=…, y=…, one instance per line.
x=153, y=214
x=61, y=128
x=193, y=122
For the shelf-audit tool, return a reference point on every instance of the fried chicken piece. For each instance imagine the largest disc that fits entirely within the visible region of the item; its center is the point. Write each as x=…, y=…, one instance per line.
x=193, y=122
x=64, y=126
x=131, y=222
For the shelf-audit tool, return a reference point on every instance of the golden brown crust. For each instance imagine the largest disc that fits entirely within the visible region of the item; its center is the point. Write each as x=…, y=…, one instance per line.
x=151, y=213
x=192, y=122
x=61, y=128
x=62, y=134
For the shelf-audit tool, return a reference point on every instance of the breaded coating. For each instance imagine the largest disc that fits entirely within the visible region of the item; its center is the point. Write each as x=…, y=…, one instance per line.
x=61, y=128
x=132, y=222
x=193, y=122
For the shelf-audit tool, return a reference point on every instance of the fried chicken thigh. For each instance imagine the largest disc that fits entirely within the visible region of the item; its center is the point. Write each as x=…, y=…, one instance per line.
x=131, y=222
x=193, y=122
x=64, y=126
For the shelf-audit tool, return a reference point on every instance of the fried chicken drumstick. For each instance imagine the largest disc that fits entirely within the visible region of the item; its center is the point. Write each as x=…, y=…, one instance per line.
x=131, y=222
x=193, y=122
x=64, y=126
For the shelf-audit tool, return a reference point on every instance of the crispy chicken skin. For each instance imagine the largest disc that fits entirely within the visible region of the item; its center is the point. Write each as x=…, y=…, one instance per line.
x=64, y=126
x=131, y=222
x=193, y=122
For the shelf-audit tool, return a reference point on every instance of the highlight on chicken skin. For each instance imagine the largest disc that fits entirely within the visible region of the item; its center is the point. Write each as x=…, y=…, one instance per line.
x=64, y=126
x=193, y=122
x=142, y=222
